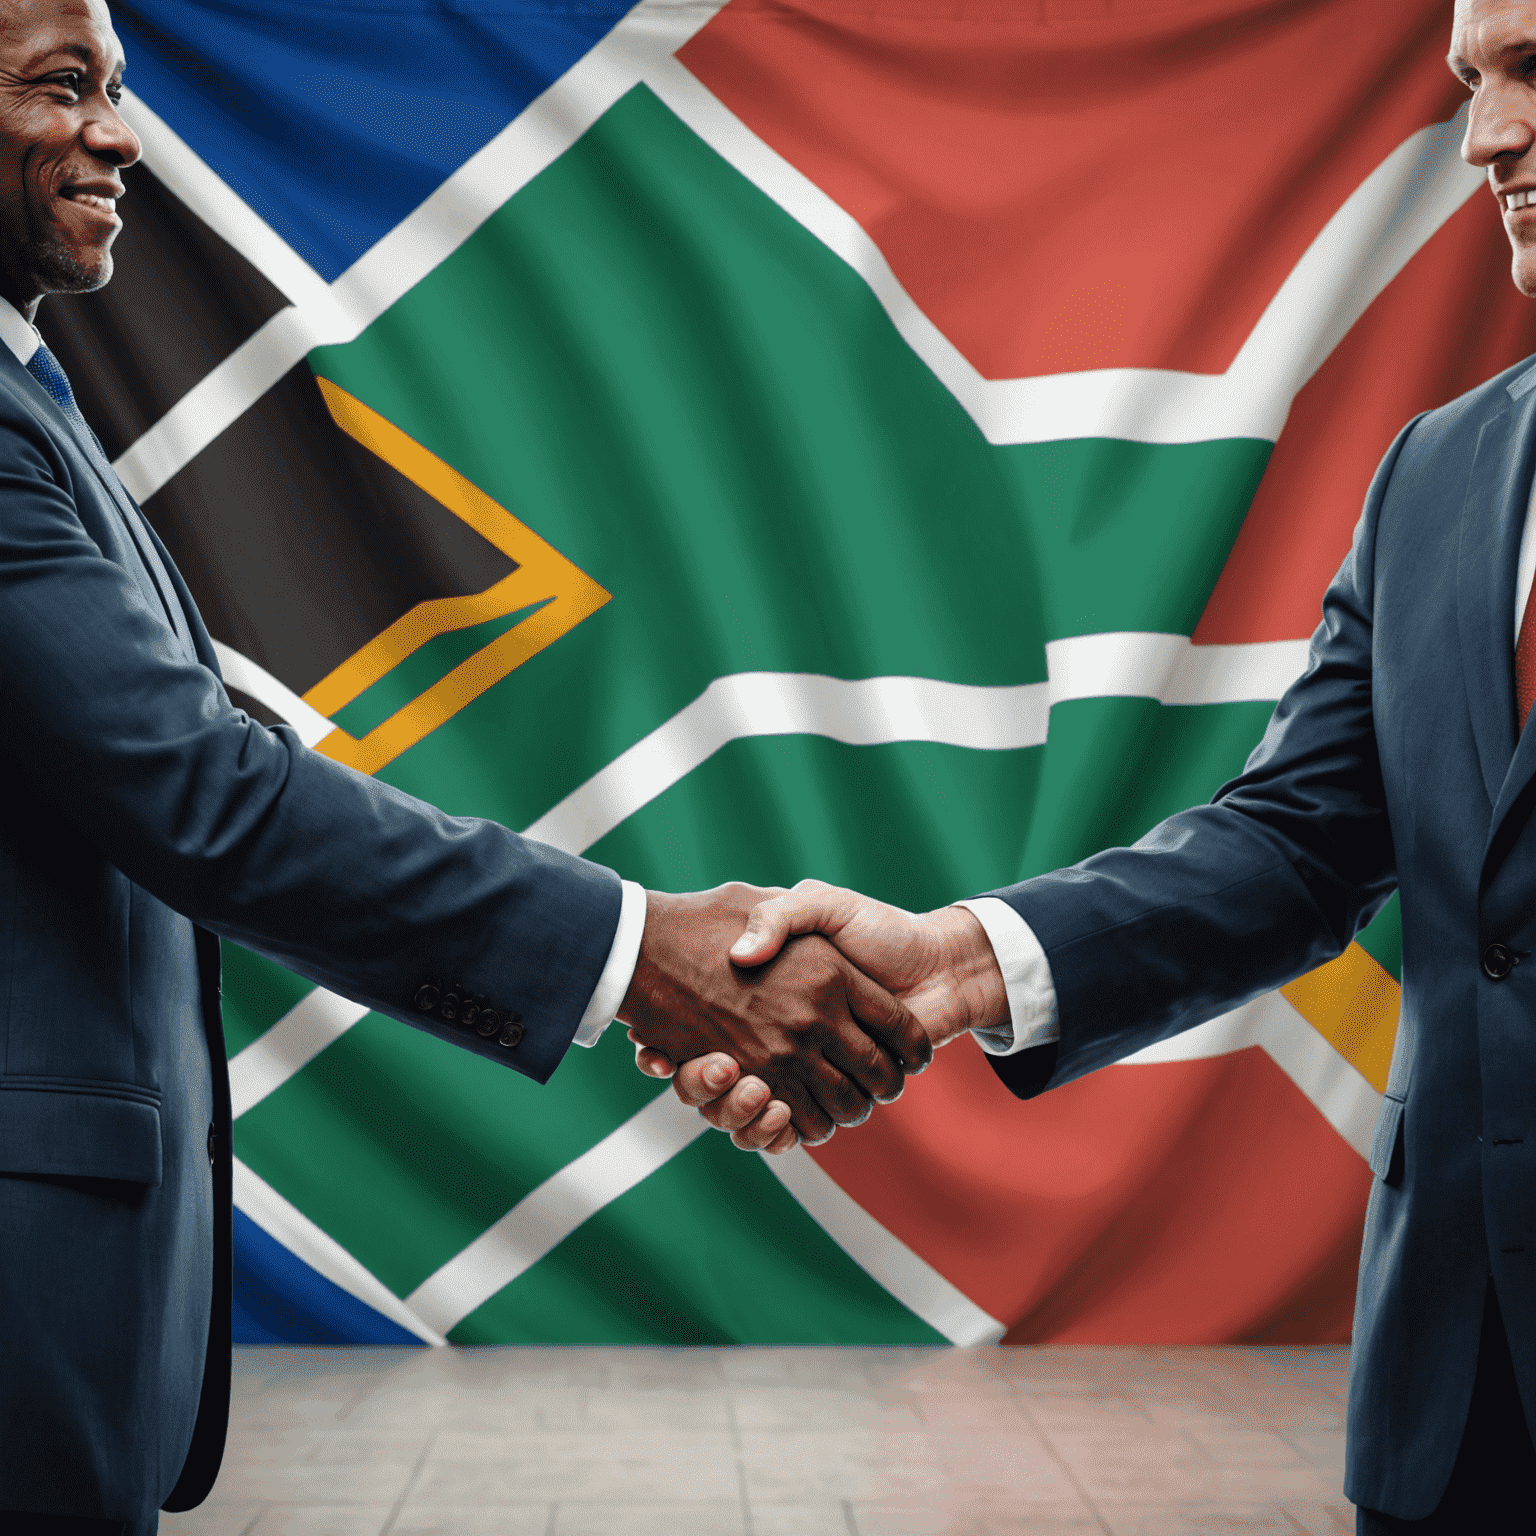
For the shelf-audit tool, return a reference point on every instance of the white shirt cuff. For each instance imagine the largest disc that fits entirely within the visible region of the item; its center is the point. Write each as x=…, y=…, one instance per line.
x=620, y=969
x=1026, y=976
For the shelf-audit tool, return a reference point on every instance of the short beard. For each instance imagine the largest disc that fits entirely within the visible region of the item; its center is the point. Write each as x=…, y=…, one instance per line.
x=57, y=269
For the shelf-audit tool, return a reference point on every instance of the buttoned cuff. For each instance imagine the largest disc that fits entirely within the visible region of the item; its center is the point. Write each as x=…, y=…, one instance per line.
x=620, y=969
x=1026, y=976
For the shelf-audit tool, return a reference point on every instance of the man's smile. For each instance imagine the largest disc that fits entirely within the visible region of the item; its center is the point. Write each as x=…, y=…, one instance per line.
x=98, y=200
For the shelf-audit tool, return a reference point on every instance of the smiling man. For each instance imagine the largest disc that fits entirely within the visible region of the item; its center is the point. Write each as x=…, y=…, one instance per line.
x=1403, y=758
x=143, y=815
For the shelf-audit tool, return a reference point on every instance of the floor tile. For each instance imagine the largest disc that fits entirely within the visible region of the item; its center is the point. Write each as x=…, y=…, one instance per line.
x=959, y=1518
x=374, y=1482
x=1198, y=1520
x=473, y=1520
x=816, y=1408
x=1336, y=1518
x=679, y=1471
x=716, y=1518
x=1246, y=1447
x=323, y=1520
x=1324, y=1448
x=829, y=1518
x=649, y=1408
x=330, y=1446
x=214, y=1518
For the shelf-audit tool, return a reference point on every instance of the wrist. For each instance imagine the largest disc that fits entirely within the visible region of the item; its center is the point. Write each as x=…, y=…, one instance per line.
x=645, y=983
x=968, y=958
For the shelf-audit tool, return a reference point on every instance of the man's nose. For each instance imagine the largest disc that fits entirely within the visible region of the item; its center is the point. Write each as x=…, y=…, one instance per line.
x=1500, y=126
x=109, y=138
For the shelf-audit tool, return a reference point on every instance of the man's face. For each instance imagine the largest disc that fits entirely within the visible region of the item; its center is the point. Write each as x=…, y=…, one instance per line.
x=1493, y=51
x=61, y=144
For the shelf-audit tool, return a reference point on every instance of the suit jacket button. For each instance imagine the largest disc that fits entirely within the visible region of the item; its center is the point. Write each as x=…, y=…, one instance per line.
x=511, y=1034
x=427, y=997
x=488, y=1023
x=448, y=1009
x=467, y=1015
x=1498, y=962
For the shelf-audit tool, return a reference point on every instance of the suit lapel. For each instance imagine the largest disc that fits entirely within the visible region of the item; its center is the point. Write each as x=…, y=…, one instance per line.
x=1492, y=520
x=151, y=553
x=148, y=546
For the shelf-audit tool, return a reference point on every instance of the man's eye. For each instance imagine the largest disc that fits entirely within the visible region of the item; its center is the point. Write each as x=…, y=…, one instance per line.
x=115, y=92
x=71, y=79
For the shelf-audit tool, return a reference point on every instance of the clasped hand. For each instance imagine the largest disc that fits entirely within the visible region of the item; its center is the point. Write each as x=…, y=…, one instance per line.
x=784, y=1014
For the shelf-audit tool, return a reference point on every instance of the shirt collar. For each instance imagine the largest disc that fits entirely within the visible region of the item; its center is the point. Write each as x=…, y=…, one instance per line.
x=17, y=334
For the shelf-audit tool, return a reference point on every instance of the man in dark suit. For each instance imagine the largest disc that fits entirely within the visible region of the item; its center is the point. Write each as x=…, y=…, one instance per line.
x=1401, y=759
x=144, y=815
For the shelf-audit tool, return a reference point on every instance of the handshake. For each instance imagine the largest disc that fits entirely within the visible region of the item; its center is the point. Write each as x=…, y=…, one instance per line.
x=784, y=1014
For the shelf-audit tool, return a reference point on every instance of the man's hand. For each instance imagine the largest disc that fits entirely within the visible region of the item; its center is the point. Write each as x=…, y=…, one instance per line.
x=940, y=964
x=808, y=1024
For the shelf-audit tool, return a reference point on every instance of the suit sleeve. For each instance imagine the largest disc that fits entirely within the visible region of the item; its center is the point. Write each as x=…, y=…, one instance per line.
x=1231, y=899
x=136, y=748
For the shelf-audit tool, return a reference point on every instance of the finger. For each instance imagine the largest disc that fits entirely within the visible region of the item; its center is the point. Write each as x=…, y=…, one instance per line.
x=857, y=1057
x=888, y=1022
x=705, y=1078
x=766, y=1129
x=787, y=1142
x=811, y=1122
x=650, y=1061
x=813, y=906
x=842, y=1100
x=653, y=1063
x=737, y=1109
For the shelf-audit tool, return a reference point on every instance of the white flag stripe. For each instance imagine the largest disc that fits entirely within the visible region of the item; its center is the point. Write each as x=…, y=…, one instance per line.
x=341, y=311
x=880, y=710
x=1366, y=243
x=883, y=1256
x=257, y=683
x=288, y=1225
x=1171, y=669
x=1336, y=1088
x=316, y=1020
x=1382, y=225
x=179, y=168
x=865, y=713
x=219, y=399
x=547, y=1215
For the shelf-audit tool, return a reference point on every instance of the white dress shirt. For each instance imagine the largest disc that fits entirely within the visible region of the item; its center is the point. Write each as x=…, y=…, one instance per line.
x=1026, y=971
x=20, y=336
x=619, y=970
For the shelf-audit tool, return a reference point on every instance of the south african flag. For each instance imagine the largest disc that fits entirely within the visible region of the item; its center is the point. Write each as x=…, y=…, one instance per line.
x=902, y=444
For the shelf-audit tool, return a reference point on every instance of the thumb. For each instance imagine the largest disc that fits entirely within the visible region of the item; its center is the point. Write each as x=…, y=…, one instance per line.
x=771, y=922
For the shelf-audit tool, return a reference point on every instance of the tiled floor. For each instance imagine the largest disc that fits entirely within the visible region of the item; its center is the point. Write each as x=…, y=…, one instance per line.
x=780, y=1442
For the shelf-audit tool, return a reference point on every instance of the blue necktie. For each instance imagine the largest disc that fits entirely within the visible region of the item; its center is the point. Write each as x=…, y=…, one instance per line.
x=44, y=367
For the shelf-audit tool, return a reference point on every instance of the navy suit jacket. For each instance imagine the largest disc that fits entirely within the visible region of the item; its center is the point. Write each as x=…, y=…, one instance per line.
x=143, y=815
x=1394, y=761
